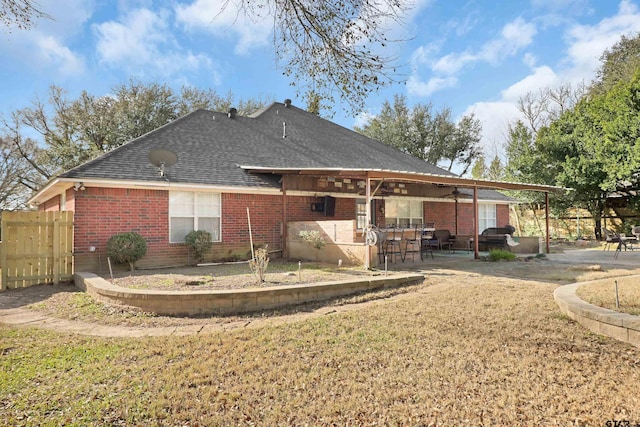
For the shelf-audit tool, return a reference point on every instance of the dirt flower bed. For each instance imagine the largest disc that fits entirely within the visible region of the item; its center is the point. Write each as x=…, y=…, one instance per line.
x=232, y=276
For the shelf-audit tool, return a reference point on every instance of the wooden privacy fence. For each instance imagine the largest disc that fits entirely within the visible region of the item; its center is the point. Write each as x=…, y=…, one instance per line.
x=36, y=247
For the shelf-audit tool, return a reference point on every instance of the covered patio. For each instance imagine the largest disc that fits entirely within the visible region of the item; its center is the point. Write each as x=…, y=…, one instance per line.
x=373, y=182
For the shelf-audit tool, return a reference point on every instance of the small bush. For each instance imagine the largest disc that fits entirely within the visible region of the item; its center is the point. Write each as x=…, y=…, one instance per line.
x=499, y=254
x=126, y=247
x=200, y=242
x=312, y=237
x=259, y=264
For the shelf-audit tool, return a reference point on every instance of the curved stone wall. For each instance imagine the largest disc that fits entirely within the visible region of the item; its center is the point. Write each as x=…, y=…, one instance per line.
x=190, y=303
x=621, y=326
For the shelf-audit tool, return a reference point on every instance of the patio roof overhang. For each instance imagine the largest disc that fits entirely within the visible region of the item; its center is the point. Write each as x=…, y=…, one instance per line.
x=414, y=177
x=404, y=176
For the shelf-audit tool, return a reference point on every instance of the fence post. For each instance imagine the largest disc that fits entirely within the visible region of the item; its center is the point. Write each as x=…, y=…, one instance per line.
x=56, y=250
x=3, y=267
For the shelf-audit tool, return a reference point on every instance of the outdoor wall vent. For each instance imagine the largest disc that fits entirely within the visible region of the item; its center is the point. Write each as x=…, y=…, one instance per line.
x=232, y=113
x=287, y=103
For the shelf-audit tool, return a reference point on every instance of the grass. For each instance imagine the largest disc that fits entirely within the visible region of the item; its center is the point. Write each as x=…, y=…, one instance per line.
x=603, y=294
x=473, y=345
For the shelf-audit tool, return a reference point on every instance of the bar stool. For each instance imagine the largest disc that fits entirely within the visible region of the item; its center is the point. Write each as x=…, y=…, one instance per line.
x=393, y=245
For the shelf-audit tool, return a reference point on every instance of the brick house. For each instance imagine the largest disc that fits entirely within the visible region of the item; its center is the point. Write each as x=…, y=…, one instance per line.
x=281, y=165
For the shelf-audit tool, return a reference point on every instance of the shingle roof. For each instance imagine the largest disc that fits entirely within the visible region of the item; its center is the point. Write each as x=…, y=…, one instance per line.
x=210, y=147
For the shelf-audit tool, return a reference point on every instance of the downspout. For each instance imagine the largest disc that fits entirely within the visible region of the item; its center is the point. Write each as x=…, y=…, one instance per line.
x=285, y=253
x=546, y=217
x=476, y=224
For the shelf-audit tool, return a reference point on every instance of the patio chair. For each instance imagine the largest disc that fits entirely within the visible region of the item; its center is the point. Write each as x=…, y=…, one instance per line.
x=610, y=238
x=622, y=243
x=444, y=239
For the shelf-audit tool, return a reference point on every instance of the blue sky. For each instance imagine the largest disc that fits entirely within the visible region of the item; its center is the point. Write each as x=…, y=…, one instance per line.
x=472, y=56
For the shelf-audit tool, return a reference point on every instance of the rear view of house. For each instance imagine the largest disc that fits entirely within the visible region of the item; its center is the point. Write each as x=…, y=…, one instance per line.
x=281, y=166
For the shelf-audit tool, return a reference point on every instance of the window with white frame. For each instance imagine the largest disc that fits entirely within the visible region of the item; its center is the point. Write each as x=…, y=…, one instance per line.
x=486, y=216
x=403, y=212
x=361, y=214
x=190, y=211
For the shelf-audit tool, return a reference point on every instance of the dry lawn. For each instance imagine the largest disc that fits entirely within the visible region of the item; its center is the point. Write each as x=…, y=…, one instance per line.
x=475, y=345
x=603, y=294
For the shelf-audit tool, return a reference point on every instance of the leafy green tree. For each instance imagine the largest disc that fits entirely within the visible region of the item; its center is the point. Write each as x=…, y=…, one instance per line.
x=479, y=169
x=619, y=63
x=566, y=151
x=495, y=171
x=425, y=134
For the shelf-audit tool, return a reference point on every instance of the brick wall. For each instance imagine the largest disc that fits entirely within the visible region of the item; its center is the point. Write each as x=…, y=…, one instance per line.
x=103, y=212
x=442, y=213
x=502, y=215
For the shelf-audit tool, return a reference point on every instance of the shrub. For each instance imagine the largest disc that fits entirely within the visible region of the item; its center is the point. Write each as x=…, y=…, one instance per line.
x=200, y=242
x=259, y=264
x=312, y=237
x=126, y=247
x=499, y=254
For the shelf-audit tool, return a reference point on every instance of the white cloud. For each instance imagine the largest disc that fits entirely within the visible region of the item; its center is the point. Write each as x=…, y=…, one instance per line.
x=46, y=45
x=229, y=22
x=135, y=39
x=52, y=53
x=515, y=35
x=587, y=43
x=542, y=77
x=529, y=59
x=453, y=62
x=141, y=42
x=495, y=118
x=417, y=87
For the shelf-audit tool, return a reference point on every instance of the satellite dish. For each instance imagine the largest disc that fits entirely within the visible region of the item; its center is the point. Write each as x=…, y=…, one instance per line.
x=162, y=158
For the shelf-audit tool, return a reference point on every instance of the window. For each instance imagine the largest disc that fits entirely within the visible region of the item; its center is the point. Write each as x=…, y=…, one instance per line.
x=361, y=214
x=486, y=216
x=403, y=212
x=190, y=211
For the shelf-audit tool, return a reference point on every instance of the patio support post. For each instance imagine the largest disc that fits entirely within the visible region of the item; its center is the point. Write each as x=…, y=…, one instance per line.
x=476, y=223
x=367, y=251
x=546, y=217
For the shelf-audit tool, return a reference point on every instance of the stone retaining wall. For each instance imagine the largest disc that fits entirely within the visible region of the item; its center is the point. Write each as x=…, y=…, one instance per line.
x=190, y=303
x=621, y=326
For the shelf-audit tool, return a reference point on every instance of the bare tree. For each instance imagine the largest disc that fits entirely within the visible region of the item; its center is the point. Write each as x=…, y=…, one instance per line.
x=20, y=13
x=540, y=109
x=16, y=175
x=333, y=46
